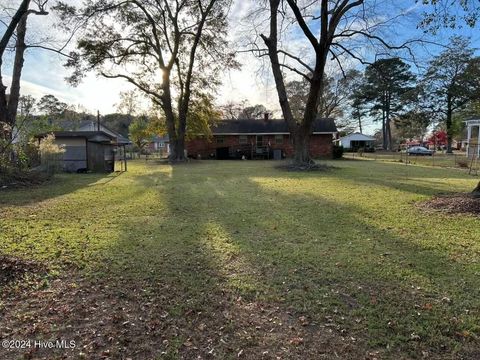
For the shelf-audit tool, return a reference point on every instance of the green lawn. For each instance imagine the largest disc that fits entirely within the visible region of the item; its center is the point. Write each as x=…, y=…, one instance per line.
x=239, y=259
x=456, y=160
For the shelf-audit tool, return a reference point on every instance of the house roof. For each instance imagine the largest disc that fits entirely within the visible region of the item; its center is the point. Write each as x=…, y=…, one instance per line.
x=271, y=126
x=92, y=126
x=473, y=117
x=160, y=138
x=94, y=136
x=357, y=136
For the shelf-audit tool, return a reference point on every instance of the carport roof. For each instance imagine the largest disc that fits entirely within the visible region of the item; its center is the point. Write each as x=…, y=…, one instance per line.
x=94, y=136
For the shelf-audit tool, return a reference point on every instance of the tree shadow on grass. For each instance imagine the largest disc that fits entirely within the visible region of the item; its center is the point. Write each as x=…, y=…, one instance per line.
x=407, y=293
x=222, y=263
x=225, y=238
x=59, y=185
x=413, y=179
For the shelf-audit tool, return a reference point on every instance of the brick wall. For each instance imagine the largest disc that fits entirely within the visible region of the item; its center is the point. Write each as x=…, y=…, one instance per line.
x=320, y=145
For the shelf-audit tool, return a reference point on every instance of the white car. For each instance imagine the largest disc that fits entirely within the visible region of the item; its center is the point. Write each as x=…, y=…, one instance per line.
x=419, y=150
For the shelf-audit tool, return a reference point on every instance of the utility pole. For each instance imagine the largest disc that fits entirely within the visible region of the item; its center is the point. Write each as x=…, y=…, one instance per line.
x=98, y=120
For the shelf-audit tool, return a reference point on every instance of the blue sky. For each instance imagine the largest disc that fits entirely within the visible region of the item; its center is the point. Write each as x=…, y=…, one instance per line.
x=44, y=72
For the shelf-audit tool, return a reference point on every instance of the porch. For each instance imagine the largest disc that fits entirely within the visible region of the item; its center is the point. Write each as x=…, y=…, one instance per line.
x=473, y=137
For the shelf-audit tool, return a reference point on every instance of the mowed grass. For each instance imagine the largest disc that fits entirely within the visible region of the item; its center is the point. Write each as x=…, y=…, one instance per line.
x=457, y=160
x=346, y=248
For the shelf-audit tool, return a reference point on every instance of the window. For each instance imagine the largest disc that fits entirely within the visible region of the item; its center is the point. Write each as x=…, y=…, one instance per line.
x=220, y=139
x=259, y=140
x=278, y=139
x=243, y=139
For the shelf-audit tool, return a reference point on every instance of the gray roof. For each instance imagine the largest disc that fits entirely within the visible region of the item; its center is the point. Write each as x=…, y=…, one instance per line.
x=160, y=138
x=271, y=126
x=92, y=126
x=358, y=136
x=94, y=136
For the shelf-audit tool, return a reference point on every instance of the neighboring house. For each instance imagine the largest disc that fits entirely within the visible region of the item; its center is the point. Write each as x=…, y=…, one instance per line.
x=159, y=144
x=357, y=141
x=266, y=138
x=473, y=136
x=94, y=151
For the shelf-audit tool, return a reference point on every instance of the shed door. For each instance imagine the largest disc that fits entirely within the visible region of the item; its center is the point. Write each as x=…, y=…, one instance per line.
x=96, y=157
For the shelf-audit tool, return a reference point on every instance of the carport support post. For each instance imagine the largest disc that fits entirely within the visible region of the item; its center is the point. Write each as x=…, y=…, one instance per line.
x=125, y=157
x=478, y=142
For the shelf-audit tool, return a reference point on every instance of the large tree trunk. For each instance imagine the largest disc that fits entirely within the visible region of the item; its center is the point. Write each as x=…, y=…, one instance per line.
x=179, y=153
x=384, y=131
x=388, y=133
x=17, y=72
x=301, y=147
x=9, y=115
x=176, y=144
x=19, y=15
x=388, y=122
x=476, y=191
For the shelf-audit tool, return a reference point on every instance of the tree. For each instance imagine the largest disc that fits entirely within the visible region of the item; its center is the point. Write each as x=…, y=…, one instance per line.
x=439, y=138
x=452, y=81
x=334, y=97
x=448, y=14
x=140, y=132
x=118, y=122
x=172, y=51
x=203, y=116
x=51, y=107
x=356, y=102
x=253, y=112
x=442, y=16
x=16, y=29
x=359, y=111
x=338, y=23
x=231, y=109
x=242, y=110
x=26, y=107
x=297, y=93
x=387, y=82
x=413, y=124
x=129, y=103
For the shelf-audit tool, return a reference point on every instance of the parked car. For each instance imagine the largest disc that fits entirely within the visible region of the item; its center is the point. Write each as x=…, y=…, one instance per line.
x=419, y=150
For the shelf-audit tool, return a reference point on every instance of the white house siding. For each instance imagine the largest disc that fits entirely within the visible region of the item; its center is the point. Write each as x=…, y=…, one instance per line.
x=346, y=140
x=473, y=137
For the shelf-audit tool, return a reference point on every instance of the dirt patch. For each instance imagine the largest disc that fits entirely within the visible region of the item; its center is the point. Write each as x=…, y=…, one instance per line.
x=18, y=179
x=14, y=269
x=122, y=319
x=463, y=203
x=304, y=167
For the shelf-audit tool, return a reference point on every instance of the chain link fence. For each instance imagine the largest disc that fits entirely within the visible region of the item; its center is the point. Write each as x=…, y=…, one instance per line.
x=456, y=160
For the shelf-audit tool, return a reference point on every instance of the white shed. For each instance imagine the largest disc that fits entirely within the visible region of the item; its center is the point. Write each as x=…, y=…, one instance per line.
x=356, y=141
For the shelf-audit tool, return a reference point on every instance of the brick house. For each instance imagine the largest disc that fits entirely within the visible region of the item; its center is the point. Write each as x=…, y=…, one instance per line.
x=266, y=138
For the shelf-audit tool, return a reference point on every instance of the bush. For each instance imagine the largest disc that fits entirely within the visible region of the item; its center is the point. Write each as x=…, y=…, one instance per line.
x=337, y=152
x=51, y=155
x=463, y=163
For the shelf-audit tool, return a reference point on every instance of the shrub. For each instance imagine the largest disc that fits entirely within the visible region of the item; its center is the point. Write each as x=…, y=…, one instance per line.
x=51, y=155
x=463, y=163
x=337, y=152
